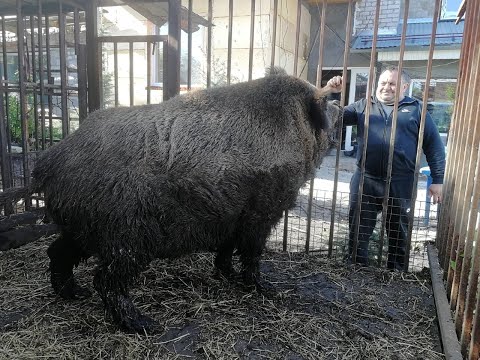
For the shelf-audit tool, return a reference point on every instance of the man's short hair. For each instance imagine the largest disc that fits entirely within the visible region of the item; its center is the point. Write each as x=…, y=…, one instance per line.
x=406, y=79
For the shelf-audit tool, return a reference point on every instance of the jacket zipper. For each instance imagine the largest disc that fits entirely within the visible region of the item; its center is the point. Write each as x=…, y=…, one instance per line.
x=384, y=114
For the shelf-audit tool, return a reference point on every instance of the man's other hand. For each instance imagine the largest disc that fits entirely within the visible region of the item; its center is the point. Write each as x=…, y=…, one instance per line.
x=435, y=192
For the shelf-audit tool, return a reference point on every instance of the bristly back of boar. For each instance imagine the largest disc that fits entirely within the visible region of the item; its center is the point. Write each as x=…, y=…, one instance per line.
x=213, y=169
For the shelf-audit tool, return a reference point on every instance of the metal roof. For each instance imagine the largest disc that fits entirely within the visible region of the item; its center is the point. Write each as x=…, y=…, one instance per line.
x=418, y=35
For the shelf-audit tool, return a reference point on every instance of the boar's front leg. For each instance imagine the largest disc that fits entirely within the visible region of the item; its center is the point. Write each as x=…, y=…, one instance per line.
x=111, y=281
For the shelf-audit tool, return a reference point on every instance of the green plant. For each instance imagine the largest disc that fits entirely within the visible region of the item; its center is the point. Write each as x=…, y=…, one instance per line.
x=15, y=121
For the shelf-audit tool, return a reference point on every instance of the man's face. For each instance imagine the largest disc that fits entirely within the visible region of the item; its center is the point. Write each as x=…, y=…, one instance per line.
x=387, y=85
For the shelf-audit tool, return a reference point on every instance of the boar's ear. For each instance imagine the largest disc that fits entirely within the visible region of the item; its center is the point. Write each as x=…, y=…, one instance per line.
x=318, y=114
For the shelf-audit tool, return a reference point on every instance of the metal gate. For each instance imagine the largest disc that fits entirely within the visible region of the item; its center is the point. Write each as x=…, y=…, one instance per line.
x=124, y=49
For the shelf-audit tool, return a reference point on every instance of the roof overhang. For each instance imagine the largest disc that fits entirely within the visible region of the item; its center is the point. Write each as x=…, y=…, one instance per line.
x=30, y=7
x=418, y=36
x=408, y=55
x=157, y=12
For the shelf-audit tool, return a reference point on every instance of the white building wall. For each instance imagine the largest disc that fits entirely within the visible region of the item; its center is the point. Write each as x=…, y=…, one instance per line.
x=285, y=39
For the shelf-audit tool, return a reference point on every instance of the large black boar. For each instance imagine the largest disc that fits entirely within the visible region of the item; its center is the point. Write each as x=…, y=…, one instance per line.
x=211, y=170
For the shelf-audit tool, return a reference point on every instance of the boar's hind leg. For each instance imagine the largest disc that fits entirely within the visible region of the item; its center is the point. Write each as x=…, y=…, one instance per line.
x=64, y=254
x=251, y=248
x=223, y=260
x=111, y=281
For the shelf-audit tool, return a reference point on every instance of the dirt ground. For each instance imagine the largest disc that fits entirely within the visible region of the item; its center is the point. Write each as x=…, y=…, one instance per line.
x=318, y=309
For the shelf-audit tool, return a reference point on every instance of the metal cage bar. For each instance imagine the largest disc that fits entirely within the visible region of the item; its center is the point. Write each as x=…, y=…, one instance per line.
x=229, y=46
x=421, y=130
x=252, y=39
x=371, y=78
x=346, y=53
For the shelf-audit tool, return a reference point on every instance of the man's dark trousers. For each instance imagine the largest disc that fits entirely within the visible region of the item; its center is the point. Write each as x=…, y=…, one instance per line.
x=397, y=216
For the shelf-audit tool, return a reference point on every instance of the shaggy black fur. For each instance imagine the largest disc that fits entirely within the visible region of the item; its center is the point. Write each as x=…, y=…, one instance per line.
x=210, y=170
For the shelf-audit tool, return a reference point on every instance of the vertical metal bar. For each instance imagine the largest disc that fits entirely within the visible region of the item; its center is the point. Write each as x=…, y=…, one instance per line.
x=100, y=47
x=189, y=61
x=4, y=156
x=41, y=74
x=34, y=80
x=272, y=64
x=173, y=53
x=453, y=235
x=470, y=268
x=63, y=70
x=23, y=98
x=456, y=133
x=252, y=39
x=274, y=32
x=94, y=67
x=309, y=216
x=371, y=81
x=285, y=231
x=229, y=50
x=393, y=134
x=132, y=79
x=319, y=85
x=149, y=72
x=462, y=252
x=50, y=79
x=165, y=51
x=474, y=351
x=81, y=69
x=115, y=70
x=346, y=53
x=456, y=232
x=471, y=261
x=321, y=44
x=5, y=77
x=209, y=44
x=297, y=37
x=421, y=131
x=82, y=82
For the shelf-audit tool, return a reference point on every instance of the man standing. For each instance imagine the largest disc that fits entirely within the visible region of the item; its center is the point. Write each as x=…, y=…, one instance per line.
x=376, y=163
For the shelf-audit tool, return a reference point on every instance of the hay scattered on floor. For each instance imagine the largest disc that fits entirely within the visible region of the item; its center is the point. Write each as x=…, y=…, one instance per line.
x=321, y=310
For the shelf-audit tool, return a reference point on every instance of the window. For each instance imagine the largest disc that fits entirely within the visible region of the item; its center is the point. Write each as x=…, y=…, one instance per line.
x=441, y=96
x=450, y=8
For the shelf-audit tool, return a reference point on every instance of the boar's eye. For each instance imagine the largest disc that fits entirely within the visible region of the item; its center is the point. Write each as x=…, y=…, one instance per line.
x=318, y=114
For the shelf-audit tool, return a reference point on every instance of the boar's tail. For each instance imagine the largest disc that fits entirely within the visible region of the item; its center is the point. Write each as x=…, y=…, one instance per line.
x=15, y=194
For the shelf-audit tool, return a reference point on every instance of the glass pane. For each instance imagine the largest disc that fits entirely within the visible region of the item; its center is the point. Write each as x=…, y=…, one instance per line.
x=361, y=82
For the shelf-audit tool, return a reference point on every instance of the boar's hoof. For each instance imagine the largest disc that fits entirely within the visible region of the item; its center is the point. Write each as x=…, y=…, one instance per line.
x=223, y=267
x=224, y=273
x=252, y=282
x=66, y=287
x=129, y=317
x=266, y=288
x=142, y=324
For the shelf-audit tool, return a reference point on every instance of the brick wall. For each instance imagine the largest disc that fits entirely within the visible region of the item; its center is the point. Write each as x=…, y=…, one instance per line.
x=391, y=11
x=365, y=15
x=418, y=9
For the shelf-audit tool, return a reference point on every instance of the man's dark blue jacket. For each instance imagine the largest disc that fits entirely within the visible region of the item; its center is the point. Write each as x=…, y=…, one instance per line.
x=406, y=139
